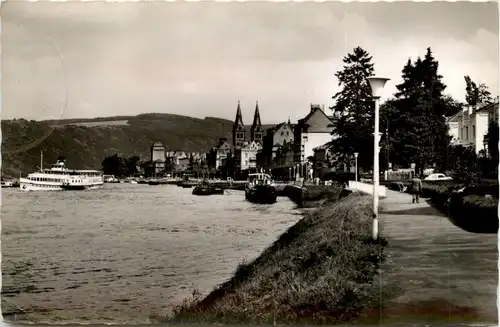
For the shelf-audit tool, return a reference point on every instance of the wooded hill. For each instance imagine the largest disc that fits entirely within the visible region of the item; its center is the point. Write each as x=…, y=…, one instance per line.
x=87, y=143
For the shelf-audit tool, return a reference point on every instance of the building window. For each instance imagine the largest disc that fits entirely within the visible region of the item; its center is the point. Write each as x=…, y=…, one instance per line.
x=467, y=133
x=473, y=131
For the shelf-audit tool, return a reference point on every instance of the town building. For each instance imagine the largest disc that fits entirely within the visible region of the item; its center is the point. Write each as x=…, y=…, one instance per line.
x=244, y=153
x=239, y=133
x=469, y=126
x=312, y=131
x=158, y=157
x=219, y=154
x=247, y=156
x=275, y=138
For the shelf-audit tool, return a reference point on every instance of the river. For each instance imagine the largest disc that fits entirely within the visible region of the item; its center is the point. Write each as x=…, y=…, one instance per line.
x=126, y=252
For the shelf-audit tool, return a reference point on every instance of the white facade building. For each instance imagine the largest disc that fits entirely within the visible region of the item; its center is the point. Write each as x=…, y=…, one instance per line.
x=469, y=126
x=249, y=154
x=312, y=131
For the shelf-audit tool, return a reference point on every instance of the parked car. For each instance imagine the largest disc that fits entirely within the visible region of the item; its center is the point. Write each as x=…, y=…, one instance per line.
x=438, y=177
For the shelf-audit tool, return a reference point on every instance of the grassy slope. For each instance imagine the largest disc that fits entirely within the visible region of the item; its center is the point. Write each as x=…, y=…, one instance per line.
x=86, y=147
x=320, y=271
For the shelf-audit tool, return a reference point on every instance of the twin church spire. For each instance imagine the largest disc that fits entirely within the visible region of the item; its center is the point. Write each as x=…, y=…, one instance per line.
x=239, y=133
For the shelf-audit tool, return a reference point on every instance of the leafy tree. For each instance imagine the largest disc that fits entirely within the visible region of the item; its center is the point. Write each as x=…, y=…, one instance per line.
x=131, y=164
x=114, y=165
x=465, y=164
x=453, y=106
x=492, y=138
x=169, y=165
x=191, y=164
x=420, y=134
x=354, y=109
x=476, y=94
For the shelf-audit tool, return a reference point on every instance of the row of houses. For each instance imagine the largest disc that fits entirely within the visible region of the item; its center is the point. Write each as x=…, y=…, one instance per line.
x=163, y=160
x=285, y=146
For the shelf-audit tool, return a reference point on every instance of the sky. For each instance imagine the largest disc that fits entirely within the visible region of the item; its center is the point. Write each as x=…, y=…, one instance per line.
x=97, y=59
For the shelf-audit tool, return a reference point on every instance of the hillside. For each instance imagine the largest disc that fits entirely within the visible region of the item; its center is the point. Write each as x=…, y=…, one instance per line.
x=84, y=147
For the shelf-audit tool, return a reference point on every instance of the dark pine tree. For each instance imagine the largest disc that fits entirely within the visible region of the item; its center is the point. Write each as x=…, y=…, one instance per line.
x=421, y=134
x=354, y=110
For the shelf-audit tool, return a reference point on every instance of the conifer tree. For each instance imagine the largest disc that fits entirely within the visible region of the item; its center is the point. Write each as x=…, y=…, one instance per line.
x=421, y=134
x=354, y=109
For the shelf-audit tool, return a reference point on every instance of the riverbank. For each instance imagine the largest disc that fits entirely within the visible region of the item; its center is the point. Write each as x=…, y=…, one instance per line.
x=321, y=271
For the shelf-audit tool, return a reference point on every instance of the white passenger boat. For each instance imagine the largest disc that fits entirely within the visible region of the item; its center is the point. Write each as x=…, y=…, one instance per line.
x=58, y=177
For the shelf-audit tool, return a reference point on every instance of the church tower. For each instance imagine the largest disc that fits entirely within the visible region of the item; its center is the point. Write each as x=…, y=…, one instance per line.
x=256, y=131
x=238, y=129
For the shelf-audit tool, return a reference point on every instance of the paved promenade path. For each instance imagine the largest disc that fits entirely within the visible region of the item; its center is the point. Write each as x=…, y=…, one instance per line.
x=440, y=273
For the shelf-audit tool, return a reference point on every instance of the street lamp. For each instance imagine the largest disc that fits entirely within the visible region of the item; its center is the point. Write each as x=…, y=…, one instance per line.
x=356, y=163
x=485, y=145
x=377, y=85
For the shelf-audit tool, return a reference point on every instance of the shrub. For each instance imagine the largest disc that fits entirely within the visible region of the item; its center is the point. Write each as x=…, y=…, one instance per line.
x=340, y=177
x=474, y=213
x=309, y=195
x=438, y=193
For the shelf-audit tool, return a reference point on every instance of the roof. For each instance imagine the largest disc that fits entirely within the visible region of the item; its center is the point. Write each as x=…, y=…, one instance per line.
x=277, y=127
x=488, y=107
x=157, y=144
x=453, y=118
x=256, y=117
x=325, y=146
x=312, y=112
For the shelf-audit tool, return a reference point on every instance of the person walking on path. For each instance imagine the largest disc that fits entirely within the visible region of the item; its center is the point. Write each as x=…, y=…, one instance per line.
x=416, y=188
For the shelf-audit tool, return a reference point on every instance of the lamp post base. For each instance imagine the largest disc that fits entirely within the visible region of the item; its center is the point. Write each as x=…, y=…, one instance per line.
x=375, y=227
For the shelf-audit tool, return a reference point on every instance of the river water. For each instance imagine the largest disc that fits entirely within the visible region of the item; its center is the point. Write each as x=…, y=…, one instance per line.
x=125, y=252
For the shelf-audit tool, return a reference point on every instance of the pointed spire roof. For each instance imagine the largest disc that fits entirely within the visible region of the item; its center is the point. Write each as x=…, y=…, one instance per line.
x=239, y=117
x=256, y=117
x=289, y=123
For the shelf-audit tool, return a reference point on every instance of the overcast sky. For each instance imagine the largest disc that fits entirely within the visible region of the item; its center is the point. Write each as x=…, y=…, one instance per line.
x=88, y=59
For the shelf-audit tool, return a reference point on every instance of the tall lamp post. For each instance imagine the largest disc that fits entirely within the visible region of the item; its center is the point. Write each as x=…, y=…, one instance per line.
x=377, y=85
x=356, y=166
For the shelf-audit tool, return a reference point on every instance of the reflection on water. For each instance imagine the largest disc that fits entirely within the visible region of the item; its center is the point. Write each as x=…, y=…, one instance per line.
x=127, y=251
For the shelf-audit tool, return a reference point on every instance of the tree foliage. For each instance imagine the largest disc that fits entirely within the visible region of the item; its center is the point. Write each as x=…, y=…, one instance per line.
x=354, y=109
x=119, y=166
x=492, y=139
x=418, y=132
x=476, y=94
x=464, y=162
x=453, y=106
